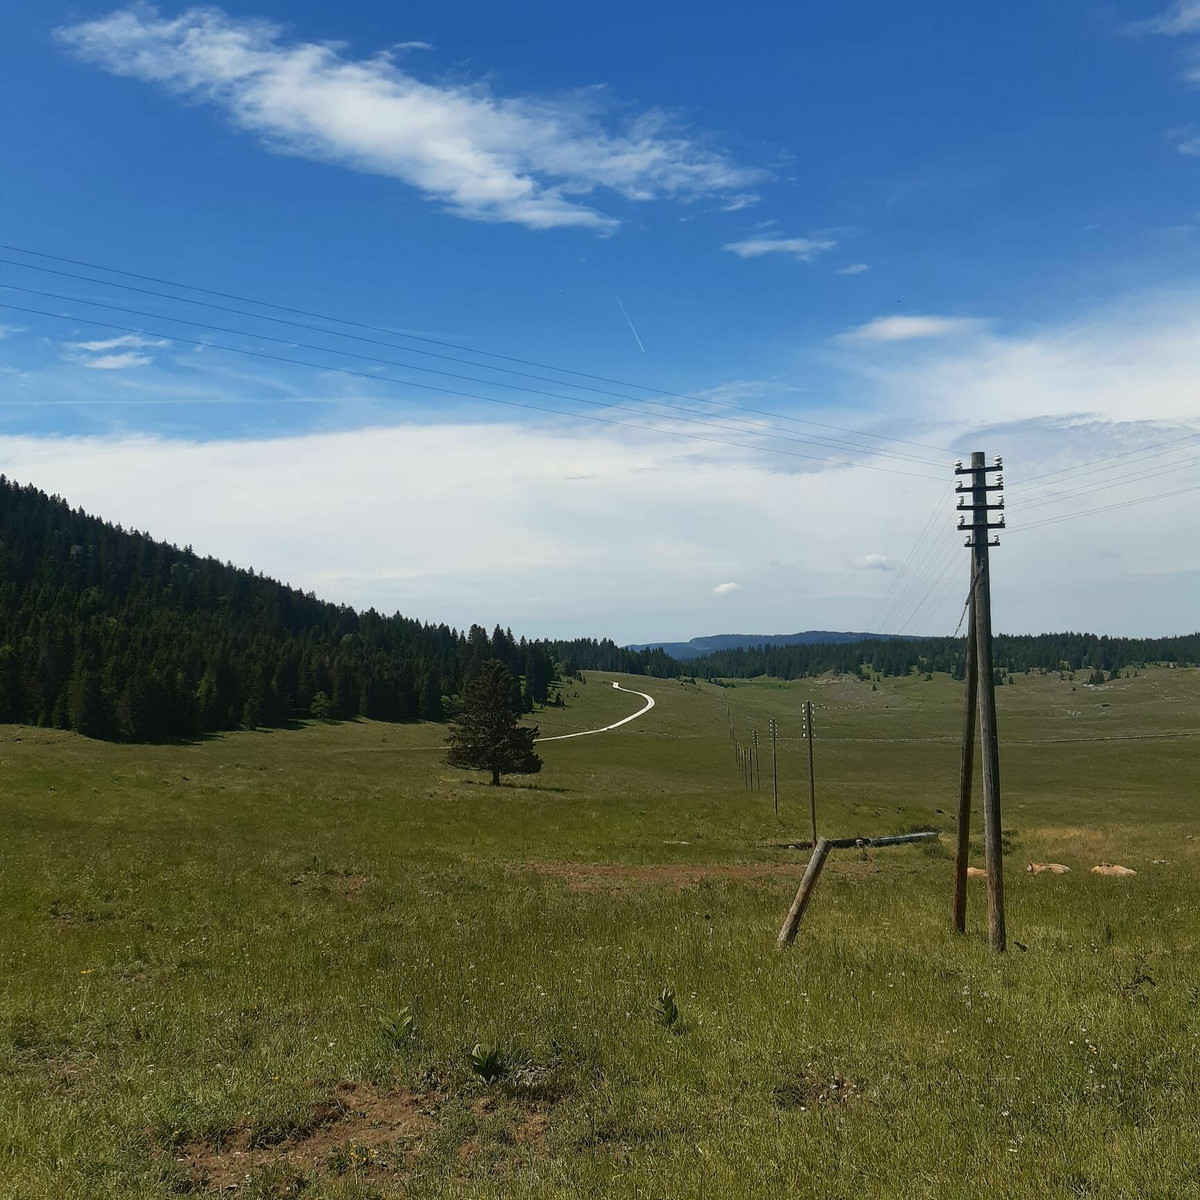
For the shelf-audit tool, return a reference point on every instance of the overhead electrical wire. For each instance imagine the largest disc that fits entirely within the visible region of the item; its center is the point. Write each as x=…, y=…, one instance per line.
x=1105, y=485
x=874, y=625
x=1088, y=512
x=925, y=568
x=433, y=354
x=451, y=391
x=1155, y=450
x=436, y=342
x=753, y=431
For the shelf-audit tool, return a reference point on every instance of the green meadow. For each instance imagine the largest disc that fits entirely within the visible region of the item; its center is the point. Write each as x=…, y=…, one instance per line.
x=256, y=965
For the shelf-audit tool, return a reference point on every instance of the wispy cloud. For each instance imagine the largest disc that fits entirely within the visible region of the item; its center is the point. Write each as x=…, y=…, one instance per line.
x=804, y=249
x=737, y=203
x=1181, y=18
x=118, y=362
x=9, y=330
x=524, y=159
x=906, y=329
x=724, y=589
x=112, y=354
x=853, y=269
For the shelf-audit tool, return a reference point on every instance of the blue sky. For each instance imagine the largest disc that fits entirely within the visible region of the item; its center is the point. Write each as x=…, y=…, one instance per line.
x=957, y=226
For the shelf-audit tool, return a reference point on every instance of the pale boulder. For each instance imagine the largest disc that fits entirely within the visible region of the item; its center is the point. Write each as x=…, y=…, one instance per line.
x=1037, y=868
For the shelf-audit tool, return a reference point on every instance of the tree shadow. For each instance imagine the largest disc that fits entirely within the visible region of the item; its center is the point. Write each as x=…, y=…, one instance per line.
x=515, y=787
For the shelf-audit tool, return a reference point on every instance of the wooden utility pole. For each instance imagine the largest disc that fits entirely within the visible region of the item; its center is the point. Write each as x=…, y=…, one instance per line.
x=812, y=780
x=774, y=768
x=966, y=765
x=981, y=693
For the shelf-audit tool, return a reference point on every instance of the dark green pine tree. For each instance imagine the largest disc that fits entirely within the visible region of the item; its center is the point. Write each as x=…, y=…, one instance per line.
x=87, y=705
x=431, y=698
x=485, y=736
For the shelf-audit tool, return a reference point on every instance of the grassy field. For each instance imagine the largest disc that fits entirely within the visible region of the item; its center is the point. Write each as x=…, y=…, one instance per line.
x=208, y=949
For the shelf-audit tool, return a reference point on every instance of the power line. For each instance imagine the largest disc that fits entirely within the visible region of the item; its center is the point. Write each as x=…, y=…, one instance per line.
x=448, y=391
x=445, y=344
x=1088, y=512
x=524, y=389
x=1079, y=472
x=414, y=350
x=925, y=571
x=1116, y=481
x=874, y=625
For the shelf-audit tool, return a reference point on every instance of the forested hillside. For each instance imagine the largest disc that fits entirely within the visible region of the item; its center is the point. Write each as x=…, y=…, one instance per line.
x=890, y=656
x=115, y=635
x=901, y=656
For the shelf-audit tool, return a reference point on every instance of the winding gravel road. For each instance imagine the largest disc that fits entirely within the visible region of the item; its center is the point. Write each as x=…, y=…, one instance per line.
x=559, y=737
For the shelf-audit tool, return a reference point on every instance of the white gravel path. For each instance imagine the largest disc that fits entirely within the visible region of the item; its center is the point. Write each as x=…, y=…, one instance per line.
x=559, y=737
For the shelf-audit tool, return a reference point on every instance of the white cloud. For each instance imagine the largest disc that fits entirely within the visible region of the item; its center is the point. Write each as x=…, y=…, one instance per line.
x=523, y=159
x=1136, y=361
x=129, y=340
x=853, y=269
x=724, y=589
x=737, y=203
x=873, y=562
x=628, y=541
x=112, y=354
x=118, y=362
x=632, y=540
x=804, y=249
x=905, y=329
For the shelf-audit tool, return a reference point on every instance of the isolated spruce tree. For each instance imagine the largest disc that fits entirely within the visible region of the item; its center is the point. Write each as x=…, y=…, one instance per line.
x=485, y=735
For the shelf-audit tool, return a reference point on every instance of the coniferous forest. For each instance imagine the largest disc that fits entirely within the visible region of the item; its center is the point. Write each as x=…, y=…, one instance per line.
x=115, y=635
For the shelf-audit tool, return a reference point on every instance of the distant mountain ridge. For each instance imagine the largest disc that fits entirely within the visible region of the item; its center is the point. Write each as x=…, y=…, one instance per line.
x=699, y=646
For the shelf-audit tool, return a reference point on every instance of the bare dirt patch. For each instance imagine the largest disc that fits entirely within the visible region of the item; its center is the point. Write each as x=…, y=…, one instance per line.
x=615, y=877
x=331, y=882
x=811, y=1091
x=360, y=1128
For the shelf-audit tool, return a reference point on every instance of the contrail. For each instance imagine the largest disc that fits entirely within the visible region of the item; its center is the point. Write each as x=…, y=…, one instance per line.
x=630, y=324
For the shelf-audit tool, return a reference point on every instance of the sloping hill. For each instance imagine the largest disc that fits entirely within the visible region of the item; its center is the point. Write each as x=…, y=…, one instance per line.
x=115, y=635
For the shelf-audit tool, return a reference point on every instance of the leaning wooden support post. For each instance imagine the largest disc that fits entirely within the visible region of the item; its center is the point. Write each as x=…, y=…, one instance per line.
x=796, y=913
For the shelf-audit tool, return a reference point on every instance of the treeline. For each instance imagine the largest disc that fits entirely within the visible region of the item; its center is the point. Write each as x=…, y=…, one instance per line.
x=115, y=635
x=1069, y=652
x=1011, y=654
x=588, y=654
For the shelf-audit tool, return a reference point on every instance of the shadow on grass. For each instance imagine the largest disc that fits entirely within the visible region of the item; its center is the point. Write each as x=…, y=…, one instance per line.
x=514, y=787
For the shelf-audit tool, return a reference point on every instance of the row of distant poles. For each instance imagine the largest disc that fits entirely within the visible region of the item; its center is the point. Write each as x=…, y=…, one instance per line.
x=750, y=767
x=979, y=710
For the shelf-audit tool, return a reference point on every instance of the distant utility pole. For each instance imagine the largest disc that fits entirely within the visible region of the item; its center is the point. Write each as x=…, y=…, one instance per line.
x=980, y=695
x=812, y=781
x=774, y=767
